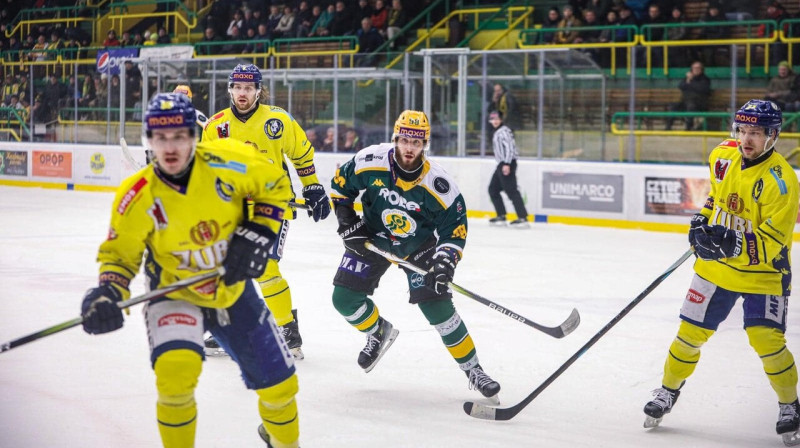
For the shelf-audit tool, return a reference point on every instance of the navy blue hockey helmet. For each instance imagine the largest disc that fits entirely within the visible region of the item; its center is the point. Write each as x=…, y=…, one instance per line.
x=765, y=114
x=169, y=111
x=245, y=73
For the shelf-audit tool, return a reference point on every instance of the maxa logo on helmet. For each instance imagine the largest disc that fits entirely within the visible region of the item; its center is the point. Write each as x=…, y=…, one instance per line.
x=412, y=133
x=243, y=77
x=742, y=118
x=164, y=121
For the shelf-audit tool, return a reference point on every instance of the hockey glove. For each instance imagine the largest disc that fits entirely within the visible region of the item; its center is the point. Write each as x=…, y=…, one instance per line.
x=715, y=242
x=100, y=311
x=248, y=252
x=697, y=221
x=444, y=267
x=354, y=236
x=316, y=198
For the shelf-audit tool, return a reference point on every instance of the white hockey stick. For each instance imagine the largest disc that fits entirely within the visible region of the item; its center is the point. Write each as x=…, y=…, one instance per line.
x=128, y=156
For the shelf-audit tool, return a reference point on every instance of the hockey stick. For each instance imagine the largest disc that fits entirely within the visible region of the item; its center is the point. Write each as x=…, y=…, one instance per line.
x=478, y=410
x=154, y=294
x=557, y=332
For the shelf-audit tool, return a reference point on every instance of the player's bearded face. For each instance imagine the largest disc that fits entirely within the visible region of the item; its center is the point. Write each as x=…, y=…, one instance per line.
x=243, y=95
x=752, y=141
x=408, y=152
x=173, y=149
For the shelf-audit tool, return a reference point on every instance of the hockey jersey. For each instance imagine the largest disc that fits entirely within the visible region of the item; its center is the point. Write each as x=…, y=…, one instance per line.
x=186, y=229
x=403, y=215
x=760, y=200
x=273, y=132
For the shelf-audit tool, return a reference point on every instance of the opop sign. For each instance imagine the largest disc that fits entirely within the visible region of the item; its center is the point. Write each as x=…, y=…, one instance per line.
x=52, y=164
x=108, y=61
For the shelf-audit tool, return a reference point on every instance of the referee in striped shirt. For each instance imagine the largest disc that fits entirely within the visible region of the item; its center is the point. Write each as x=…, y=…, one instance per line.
x=505, y=176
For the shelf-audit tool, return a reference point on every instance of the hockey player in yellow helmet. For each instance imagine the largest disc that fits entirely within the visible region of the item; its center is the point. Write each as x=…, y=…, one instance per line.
x=200, y=118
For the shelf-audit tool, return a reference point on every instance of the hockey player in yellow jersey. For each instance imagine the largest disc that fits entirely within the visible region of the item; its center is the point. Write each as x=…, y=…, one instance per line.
x=187, y=209
x=276, y=134
x=743, y=239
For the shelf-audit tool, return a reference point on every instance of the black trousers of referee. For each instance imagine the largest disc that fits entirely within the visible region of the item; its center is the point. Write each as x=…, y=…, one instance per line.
x=508, y=184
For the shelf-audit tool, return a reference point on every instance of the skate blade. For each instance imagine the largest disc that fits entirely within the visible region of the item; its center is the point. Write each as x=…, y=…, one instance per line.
x=652, y=422
x=791, y=438
x=215, y=352
x=297, y=353
x=389, y=342
x=520, y=226
x=498, y=224
x=494, y=400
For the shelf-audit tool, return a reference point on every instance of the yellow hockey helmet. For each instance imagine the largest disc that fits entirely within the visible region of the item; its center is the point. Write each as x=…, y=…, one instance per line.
x=184, y=89
x=412, y=124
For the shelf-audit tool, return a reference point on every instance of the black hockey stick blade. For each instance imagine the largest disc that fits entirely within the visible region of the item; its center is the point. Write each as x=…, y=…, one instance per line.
x=557, y=332
x=478, y=410
x=154, y=294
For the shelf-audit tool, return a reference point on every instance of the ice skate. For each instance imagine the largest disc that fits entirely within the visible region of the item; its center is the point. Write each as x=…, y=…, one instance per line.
x=498, y=221
x=212, y=347
x=483, y=383
x=264, y=436
x=788, y=423
x=377, y=344
x=521, y=223
x=662, y=404
x=291, y=333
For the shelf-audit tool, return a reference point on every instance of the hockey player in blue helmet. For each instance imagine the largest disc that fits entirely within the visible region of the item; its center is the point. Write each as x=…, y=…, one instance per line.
x=742, y=238
x=244, y=87
x=190, y=228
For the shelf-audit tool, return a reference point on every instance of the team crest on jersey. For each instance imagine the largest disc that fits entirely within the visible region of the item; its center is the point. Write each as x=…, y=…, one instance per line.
x=399, y=223
x=225, y=191
x=721, y=168
x=204, y=232
x=273, y=128
x=224, y=130
x=735, y=203
x=758, y=188
x=158, y=214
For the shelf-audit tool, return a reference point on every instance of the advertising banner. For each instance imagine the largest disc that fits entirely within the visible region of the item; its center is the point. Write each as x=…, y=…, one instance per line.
x=169, y=54
x=675, y=195
x=108, y=61
x=13, y=163
x=97, y=167
x=52, y=164
x=586, y=192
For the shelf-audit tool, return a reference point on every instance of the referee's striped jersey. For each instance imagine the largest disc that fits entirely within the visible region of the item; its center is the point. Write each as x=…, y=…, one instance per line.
x=505, y=148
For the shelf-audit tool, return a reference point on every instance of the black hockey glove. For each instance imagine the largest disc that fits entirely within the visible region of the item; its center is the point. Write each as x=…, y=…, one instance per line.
x=248, y=252
x=316, y=198
x=444, y=267
x=715, y=242
x=354, y=236
x=100, y=311
x=697, y=221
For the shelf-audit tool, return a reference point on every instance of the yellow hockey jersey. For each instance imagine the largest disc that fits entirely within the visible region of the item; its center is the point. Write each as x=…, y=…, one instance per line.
x=760, y=200
x=186, y=229
x=273, y=132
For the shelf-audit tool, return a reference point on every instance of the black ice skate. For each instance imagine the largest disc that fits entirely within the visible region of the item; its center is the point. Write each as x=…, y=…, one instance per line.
x=789, y=423
x=291, y=333
x=212, y=347
x=483, y=383
x=264, y=436
x=499, y=220
x=662, y=404
x=377, y=344
x=521, y=223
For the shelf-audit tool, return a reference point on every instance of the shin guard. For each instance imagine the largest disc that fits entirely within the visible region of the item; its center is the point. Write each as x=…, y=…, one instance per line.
x=277, y=295
x=278, y=410
x=177, y=372
x=770, y=344
x=684, y=354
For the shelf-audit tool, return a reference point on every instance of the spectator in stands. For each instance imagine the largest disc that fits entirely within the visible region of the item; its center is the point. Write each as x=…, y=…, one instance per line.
x=779, y=88
x=741, y=10
x=54, y=45
x=504, y=102
x=10, y=88
x=38, y=52
x=13, y=48
x=163, y=37
x=695, y=94
x=379, y=17
x=590, y=35
x=273, y=19
x=566, y=33
x=328, y=141
x=111, y=39
x=775, y=11
x=677, y=55
x=285, y=26
x=711, y=32
x=237, y=21
x=313, y=139
x=138, y=39
x=258, y=17
x=551, y=22
x=600, y=7
x=614, y=34
x=364, y=9
x=323, y=23
x=304, y=19
x=626, y=16
x=397, y=20
x=248, y=23
x=88, y=95
x=638, y=7
x=233, y=46
x=133, y=84
x=352, y=142
x=54, y=93
x=369, y=39
x=127, y=40
x=210, y=37
x=654, y=34
x=342, y=23
x=101, y=94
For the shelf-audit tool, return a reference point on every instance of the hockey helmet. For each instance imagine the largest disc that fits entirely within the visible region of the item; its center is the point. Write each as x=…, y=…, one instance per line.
x=184, y=89
x=765, y=114
x=245, y=73
x=169, y=111
x=412, y=124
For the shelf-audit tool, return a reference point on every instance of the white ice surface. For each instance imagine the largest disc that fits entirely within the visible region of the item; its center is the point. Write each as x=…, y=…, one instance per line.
x=75, y=390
